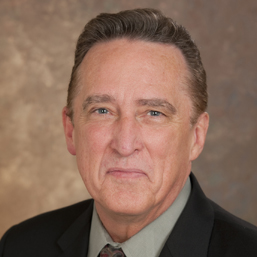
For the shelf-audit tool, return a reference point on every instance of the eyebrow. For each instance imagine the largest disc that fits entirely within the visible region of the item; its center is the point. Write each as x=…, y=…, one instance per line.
x=152, y=102
x=157, y=102
x=97, y=99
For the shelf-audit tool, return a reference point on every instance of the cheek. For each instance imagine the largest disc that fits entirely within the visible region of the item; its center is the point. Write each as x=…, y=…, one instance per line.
x=91, y=142
x=168, y=147
x=92, y=139
x=160, y=142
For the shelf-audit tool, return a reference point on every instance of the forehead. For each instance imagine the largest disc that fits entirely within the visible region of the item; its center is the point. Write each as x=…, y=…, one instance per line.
x=133, y=63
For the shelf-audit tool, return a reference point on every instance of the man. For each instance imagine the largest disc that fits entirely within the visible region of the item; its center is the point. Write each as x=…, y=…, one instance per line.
x=135, y=119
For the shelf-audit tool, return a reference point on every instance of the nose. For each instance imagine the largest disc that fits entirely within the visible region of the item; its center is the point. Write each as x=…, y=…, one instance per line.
x=126, y=136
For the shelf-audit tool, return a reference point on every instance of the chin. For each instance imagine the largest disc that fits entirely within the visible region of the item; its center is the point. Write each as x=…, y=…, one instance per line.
x=127, y=203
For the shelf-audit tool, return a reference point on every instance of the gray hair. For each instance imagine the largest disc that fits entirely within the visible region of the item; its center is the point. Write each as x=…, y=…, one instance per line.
x=146, y=25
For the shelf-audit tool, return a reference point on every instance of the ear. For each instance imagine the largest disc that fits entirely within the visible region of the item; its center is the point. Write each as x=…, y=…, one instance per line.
x=200, y=131
x=68, y=131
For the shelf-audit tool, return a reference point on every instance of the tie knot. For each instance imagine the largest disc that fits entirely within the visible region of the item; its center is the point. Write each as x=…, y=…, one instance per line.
x=110, y=251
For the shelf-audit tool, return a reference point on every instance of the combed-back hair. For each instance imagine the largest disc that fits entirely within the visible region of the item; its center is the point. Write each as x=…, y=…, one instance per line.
x=147, y=25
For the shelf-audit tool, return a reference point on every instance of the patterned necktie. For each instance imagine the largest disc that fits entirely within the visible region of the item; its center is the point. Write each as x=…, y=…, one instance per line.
x=110, y=251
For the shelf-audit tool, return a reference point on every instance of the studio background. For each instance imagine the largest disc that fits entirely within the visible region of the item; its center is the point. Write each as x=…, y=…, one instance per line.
x=37, y=40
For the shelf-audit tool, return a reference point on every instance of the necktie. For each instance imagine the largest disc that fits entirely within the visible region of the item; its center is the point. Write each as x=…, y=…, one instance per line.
x=110, y=251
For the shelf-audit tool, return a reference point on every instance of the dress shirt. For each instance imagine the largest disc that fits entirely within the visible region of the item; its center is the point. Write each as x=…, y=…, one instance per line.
x=149, y=241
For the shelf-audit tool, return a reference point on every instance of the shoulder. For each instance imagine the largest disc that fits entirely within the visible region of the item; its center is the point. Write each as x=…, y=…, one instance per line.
x=43, y=230
x=55, y=220
x=232, y=236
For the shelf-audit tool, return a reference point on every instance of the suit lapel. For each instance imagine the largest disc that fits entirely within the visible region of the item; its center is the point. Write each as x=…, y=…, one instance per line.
x=74, y=242
x=189, y=238
x=191, y=234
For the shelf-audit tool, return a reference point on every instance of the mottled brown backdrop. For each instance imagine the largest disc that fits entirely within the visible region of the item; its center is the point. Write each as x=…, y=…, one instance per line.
x=37, y=41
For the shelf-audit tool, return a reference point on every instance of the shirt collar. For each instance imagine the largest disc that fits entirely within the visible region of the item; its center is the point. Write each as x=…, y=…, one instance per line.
x=149, y=241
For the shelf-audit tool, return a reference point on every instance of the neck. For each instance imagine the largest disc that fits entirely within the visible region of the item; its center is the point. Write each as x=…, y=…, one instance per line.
x=122, y=227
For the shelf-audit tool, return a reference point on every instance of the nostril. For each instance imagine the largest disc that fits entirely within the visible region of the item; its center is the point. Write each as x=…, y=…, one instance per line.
x=126, y=137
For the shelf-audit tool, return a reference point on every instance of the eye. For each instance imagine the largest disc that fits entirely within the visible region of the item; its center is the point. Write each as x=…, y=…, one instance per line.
x=102, y=111
x=154, y=113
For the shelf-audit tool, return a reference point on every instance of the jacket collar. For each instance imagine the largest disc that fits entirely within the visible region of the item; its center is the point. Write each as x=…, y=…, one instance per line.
x=191, y=235
x=189, y=238
x=74, y=242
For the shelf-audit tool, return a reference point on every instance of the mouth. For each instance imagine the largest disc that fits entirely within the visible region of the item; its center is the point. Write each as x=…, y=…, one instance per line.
x=126, y=173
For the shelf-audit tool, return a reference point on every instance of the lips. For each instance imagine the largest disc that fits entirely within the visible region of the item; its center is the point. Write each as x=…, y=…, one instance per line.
x=125, y=173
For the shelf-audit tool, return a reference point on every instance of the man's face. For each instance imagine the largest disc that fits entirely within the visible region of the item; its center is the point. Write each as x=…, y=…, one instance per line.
x=132, y=134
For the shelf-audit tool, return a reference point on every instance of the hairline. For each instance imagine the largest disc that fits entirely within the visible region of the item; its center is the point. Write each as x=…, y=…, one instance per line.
x=185, y=81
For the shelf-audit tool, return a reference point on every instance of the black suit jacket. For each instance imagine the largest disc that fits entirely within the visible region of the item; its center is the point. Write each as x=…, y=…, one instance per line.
x=203, y=229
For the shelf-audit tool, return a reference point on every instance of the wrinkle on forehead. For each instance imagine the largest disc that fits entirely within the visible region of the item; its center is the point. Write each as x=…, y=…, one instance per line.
x=166, y=59
x=130, y=49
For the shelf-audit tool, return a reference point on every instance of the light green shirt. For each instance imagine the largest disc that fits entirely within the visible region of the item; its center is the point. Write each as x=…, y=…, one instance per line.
x=149, y=241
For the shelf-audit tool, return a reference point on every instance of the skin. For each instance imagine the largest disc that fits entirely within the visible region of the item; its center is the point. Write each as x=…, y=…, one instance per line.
x=132, y=135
